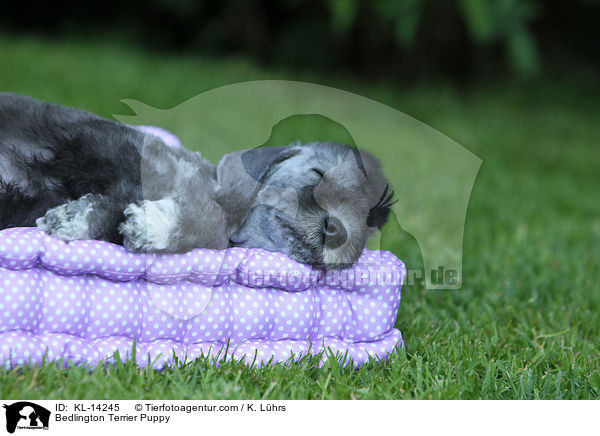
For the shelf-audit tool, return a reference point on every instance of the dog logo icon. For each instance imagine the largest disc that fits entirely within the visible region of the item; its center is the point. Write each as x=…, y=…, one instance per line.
x=433, y=175
x=26, y=415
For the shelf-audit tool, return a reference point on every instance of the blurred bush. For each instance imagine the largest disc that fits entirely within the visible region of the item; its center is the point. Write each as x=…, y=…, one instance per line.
x=399, y=37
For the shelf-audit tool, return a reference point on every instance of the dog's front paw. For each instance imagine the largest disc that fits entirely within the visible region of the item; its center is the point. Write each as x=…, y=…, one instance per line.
x=68, y=221
x=150, y=225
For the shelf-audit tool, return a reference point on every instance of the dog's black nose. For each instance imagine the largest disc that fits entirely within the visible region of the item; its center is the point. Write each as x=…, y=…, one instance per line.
x=335, y=234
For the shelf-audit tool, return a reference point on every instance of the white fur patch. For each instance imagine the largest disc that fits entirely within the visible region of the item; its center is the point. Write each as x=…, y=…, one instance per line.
x=150, y=224
x=67, y=222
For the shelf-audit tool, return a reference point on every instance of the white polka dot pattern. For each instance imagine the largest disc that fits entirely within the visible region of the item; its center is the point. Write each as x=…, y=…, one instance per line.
x=85, y=300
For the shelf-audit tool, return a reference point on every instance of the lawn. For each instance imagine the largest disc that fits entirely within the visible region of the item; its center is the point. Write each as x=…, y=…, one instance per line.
x=525, y=323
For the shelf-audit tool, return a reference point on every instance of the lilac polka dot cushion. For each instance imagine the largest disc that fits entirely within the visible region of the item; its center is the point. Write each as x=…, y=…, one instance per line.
x=83, y=301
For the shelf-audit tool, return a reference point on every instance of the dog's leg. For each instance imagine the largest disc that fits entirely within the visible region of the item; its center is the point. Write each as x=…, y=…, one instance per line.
x=68, y=221
x=92, y=216
x=150, y=225
x=173, y=226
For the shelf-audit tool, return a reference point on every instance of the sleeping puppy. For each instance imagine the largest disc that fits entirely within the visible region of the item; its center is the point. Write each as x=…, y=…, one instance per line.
x=75, y=176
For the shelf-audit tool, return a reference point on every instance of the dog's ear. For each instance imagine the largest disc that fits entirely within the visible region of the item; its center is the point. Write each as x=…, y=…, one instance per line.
x=258, y=161
x=240, y=176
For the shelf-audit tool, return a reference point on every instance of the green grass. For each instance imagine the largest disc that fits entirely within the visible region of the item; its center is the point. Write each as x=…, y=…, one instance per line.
x=525, y=323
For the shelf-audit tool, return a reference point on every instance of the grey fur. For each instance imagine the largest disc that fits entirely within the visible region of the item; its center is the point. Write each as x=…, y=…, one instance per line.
x=78, y=176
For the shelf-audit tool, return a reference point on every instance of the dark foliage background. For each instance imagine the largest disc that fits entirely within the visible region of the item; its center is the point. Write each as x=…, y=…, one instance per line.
x=408, y=38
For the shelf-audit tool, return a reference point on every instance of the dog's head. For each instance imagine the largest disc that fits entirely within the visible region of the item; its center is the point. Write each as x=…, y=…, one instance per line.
x=318, y=203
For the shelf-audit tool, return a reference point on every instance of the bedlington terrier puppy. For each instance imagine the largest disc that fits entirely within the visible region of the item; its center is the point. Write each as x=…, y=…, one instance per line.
x=75, y=175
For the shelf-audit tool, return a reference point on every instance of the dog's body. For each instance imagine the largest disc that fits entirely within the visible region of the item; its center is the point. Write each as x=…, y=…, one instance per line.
x=78, y=176
x=92, y=174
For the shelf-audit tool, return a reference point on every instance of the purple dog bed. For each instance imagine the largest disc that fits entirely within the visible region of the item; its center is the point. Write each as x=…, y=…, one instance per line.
x=84, y=300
